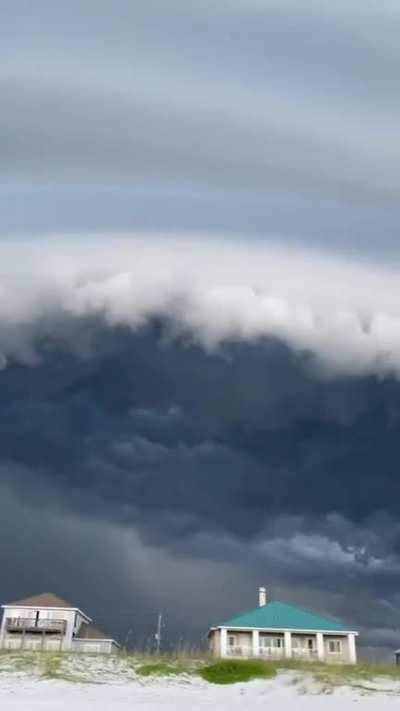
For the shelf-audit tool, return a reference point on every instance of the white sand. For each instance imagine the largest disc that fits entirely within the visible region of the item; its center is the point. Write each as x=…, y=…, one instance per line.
x=281, y=694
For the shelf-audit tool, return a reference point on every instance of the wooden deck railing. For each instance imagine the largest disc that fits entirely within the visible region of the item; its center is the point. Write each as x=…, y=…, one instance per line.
x=271, y=652
x=239, y=651
x=31, y=624
x=247, y=651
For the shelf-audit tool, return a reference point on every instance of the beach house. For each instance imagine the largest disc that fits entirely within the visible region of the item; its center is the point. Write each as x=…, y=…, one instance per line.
x=276, y=630
x=47, y=622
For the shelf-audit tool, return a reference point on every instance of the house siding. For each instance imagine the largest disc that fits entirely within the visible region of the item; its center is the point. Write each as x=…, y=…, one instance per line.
x=215, y=643
x=33, y=643
x=243, y=645
x=344, y=656
x=40, y=639
x=94, y=646
x=243, y=640
x=47, y=622
x=37, y=641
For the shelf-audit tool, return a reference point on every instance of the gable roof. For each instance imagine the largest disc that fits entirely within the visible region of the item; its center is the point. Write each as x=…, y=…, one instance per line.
x=90, y=632
x=43, y=600
x=280, y=615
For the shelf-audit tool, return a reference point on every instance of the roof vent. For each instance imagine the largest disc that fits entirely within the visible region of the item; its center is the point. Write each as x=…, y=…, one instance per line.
x=262, y=597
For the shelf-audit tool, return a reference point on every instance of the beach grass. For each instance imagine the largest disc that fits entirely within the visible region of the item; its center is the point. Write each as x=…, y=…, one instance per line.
x=132, y=664
x=160, y=669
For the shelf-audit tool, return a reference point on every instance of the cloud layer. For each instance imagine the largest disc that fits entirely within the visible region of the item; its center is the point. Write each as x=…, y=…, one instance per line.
x=276, y=99
x=343, y=315
x=150, y=399
x=190, y=407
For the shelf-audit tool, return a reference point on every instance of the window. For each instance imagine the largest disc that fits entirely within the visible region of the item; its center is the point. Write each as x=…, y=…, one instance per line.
x=265, y=641
x=334, y=646
x=276, y=642
x=298, y=642
x=303, y=643
x=231, y=640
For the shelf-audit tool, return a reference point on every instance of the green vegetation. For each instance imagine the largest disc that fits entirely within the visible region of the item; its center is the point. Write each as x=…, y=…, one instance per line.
x=51, y=664
x=346, y=673
x=230, y=671
x=328, y=675
x=45, y=665
x=159, y=669
x=55, y=666
x=19, y=661
x=85, y=668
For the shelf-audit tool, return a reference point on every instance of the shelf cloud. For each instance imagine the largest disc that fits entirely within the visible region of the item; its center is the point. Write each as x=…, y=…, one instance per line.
x=344, y=316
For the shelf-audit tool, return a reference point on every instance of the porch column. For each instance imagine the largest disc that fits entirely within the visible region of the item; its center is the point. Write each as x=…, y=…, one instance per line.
x=320, y=647
x=68, y=633
x=351, y=638
x=3, y=629
x=255, y=639
x=223, y=635
x=288, y=644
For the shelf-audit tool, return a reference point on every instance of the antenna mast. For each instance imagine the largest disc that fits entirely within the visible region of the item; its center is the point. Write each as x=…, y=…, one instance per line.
x=157, y=635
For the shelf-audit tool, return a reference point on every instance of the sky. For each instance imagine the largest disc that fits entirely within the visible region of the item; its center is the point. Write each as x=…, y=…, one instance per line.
x=199, y=310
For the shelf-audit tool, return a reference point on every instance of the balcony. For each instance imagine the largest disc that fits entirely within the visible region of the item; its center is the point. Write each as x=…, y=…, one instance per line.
x=271, y=653
x=32, y=625
x=239, y=651
x=246, y=651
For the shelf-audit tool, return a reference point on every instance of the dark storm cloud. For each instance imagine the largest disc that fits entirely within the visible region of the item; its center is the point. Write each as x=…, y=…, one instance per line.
x=227, y=407
x=94, y=562
x=242, y=455
x=222, y=449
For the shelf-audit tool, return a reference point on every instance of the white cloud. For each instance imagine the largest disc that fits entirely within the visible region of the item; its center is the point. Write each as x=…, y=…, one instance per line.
x=346, y=313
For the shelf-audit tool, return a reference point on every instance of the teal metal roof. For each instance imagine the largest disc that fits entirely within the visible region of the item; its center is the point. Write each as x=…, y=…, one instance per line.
x=279, y=615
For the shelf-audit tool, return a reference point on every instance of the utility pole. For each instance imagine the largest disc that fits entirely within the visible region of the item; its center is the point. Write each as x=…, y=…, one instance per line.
x=157, y=635
x=127, y=638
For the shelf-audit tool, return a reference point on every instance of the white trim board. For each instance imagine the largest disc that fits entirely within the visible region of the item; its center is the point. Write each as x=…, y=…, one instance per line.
x=92, y=639
x=286, y=629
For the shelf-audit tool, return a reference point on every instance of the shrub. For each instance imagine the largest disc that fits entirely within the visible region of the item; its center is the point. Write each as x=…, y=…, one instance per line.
x=157, y=669
x=230, y=671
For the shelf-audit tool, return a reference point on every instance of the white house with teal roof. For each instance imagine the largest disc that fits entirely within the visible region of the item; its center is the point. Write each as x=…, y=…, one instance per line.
x=276, y=630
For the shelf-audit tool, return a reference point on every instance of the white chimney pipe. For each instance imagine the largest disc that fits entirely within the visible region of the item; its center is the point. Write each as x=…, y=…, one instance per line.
x=262, y=597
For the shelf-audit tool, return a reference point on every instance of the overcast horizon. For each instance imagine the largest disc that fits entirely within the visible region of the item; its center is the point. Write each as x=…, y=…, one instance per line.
x=200, y=310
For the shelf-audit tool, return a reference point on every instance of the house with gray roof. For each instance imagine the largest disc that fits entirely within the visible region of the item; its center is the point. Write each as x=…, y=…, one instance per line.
x=49, y=623
x=276, y=630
